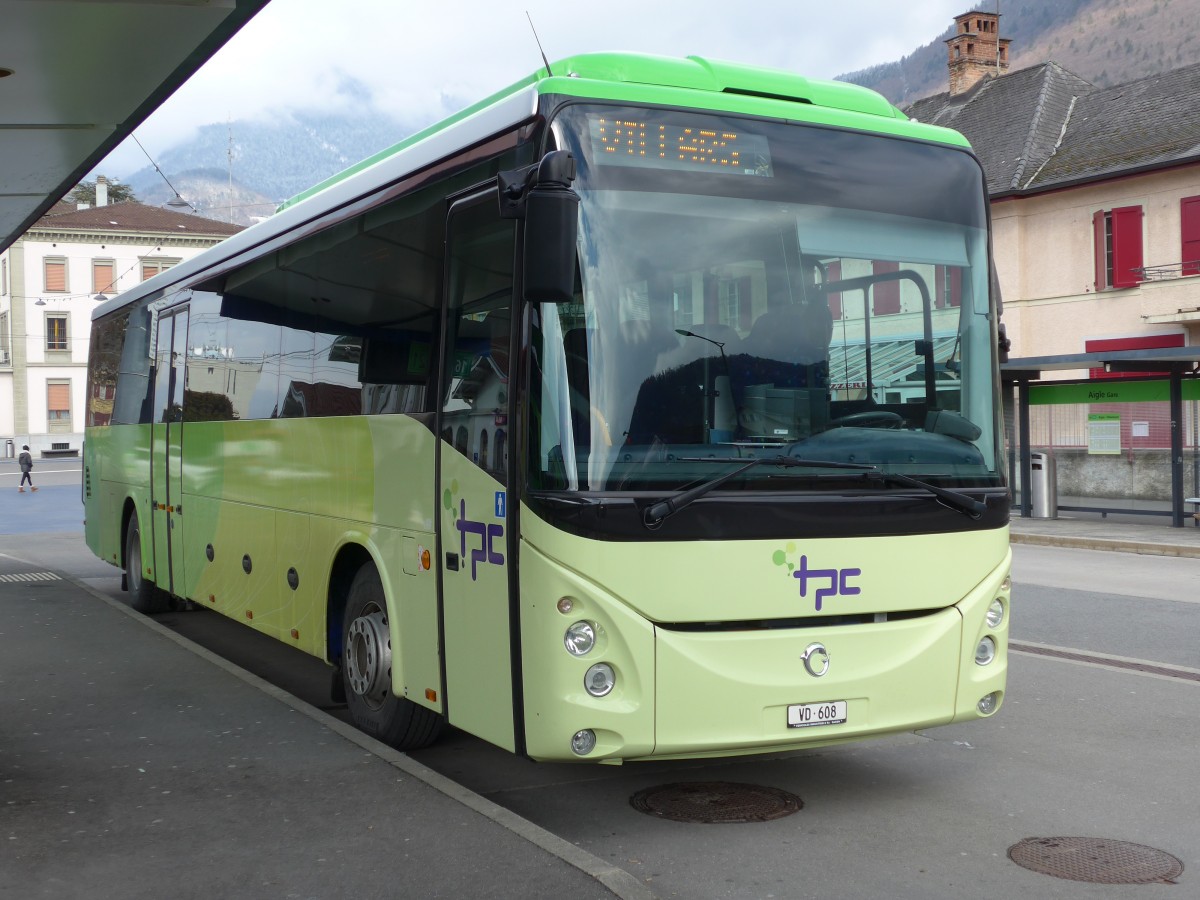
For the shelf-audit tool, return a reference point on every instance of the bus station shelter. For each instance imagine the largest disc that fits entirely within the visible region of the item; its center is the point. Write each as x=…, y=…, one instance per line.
x=1119, y=380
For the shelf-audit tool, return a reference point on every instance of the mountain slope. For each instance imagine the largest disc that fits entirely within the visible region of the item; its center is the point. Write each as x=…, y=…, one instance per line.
x=1106, y=42
x=267, y=161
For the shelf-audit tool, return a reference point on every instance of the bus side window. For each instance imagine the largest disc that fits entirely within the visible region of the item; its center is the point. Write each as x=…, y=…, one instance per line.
x=479, y=327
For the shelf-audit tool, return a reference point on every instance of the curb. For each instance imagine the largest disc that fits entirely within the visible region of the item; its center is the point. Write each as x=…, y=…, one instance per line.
x=1092, y=543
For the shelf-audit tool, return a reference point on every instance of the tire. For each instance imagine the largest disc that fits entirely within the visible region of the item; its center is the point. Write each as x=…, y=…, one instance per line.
x=144, y=595
x=367, y=671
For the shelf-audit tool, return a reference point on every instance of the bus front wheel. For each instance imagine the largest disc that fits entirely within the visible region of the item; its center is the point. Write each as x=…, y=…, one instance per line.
x=367, y=671
x=144, y=595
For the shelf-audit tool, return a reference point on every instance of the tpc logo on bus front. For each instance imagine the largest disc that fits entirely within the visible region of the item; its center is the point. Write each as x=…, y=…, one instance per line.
x=826, y=583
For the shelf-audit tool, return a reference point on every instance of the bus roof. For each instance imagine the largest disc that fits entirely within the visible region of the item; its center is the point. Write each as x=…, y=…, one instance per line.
x=693, y=82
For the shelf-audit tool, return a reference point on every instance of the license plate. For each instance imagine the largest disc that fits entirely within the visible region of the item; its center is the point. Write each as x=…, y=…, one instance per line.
x=806, y=715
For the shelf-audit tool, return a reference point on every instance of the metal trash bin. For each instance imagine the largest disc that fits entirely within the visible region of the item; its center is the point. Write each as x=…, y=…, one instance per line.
x=1043, y=491
x=10, y=450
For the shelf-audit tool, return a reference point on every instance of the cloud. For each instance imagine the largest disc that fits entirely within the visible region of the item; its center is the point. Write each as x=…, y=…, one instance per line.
x=421, y=62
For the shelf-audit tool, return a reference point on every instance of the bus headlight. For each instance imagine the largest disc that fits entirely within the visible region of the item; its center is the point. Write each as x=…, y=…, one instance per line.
x=600, y=680
x=995, y=613
x=580, y=638
x=987, y=703
x=583, y=742
x=985, y=652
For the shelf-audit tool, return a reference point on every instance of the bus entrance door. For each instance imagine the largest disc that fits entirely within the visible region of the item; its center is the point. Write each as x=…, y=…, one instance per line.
x=166, y=462
x=474, y=512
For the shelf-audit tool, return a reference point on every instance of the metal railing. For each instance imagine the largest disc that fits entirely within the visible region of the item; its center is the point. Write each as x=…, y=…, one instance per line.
x=1169, y=270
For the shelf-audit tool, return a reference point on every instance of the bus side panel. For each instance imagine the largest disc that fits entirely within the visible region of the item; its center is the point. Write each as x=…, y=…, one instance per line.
x=209, y=582
x=242, y=580
x=117, y=461
x=413, y=622
x=288, y=494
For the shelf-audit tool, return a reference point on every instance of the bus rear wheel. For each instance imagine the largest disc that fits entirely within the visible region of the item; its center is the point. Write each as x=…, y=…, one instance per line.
x=144, y=595
x=367, y=671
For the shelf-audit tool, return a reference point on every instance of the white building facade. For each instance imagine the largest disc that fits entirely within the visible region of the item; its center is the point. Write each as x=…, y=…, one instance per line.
x=50, y=281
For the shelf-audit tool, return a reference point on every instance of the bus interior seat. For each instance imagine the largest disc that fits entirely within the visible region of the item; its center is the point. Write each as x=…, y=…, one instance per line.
x=793, y=334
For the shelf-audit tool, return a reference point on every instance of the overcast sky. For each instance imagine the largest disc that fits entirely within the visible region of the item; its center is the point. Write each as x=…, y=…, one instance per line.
x=420, y=61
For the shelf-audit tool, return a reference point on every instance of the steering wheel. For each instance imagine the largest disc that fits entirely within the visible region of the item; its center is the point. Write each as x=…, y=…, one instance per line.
x=869, y=418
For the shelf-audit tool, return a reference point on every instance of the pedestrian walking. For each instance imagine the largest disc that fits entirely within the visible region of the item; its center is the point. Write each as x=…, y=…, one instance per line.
x=26, y=462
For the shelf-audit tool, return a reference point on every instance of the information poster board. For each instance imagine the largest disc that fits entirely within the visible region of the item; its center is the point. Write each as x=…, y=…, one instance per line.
x=1104, y=433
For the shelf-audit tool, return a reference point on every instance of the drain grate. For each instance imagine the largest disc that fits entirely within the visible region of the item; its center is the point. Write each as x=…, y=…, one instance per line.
x=716, y=802
x=24, y=577
x=1096, y=860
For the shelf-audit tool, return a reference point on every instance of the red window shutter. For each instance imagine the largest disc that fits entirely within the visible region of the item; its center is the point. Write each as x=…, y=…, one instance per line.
x=1098, y=237
x=56, y=276
x=886, y=293
x=948, y=287
x=833, y=272
x=1189, y=232
x=102, y=277
x=58, y=397
x=1127, y=246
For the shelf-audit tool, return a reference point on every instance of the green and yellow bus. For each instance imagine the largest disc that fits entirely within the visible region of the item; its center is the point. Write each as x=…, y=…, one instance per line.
x=647, y=409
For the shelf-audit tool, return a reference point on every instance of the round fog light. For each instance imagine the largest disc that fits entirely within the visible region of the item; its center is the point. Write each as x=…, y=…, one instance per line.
x=583, y=742
x=995, y=613
x=987, y=703
x=599, y=679
x=580, y=638
x=985, y=652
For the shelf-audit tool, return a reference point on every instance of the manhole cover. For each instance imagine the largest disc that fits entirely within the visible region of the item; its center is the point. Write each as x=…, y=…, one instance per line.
x=716, y=802
x=1098, y=860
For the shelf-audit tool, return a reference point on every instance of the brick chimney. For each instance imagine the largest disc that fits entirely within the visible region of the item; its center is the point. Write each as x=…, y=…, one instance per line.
x=101, y=191
x=976, y=50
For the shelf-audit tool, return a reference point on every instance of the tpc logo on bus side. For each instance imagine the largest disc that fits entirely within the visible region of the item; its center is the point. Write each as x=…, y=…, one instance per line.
x=489, y=536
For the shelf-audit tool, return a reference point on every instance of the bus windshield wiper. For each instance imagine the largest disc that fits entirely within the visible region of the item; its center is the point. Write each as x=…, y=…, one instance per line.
x=952, y=499
x=656, y=513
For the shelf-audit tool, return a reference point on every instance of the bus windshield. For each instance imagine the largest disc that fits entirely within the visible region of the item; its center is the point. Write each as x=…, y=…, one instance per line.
x=751, y=288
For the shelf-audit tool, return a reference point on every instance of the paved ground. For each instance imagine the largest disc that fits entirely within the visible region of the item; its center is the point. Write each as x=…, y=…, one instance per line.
x=122, y=777
x=134, y=767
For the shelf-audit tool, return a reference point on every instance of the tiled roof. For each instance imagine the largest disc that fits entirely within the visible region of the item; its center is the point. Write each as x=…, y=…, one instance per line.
x=1044, y=127
x=1145, y=123
x=132, y=216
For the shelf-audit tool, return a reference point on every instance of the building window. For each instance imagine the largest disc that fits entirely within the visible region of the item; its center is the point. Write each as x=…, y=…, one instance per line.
x=103, y=272
x=57, y=338
x=151, y=267
x=1117, y=236
x=886, y=294
x=5, y=355
x=947, y=287
x=4, y=275
x=55, y=275
x=58, y=405
x=1189, y=234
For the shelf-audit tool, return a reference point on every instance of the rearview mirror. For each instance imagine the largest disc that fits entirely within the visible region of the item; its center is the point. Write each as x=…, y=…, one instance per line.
x=551, y=229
